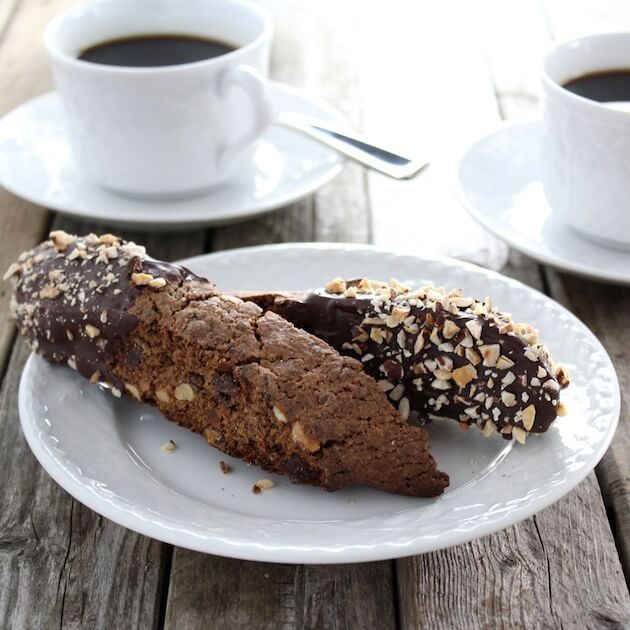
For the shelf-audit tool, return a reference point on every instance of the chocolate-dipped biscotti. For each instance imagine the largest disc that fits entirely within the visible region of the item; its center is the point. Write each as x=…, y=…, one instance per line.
x=252, y=383
x=435, y=354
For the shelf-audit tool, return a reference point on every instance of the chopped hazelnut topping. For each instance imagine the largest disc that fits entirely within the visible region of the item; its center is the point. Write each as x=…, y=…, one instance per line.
x=508, y=399
x=13, y=270
x=162, y=395
x=440, y=384
x=508, y=379
x=157, y=283
x=472, y=356
x=397, y=393
x=450, y=329
x=384, y=385
x=50, y=292
x=562, y=375
x=140, y=279
x=490, y=354
x=474, y=328
x=336, y=286
x=520, y=434
x=61, y=240
x=504, y=363
x=376, y=335
x=463, y=375
x=404, y=408
x=529, y=414
x=92, y=331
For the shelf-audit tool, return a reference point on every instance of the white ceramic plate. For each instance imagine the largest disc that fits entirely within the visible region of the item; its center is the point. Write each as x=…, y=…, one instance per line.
x=106, y=452
x=499, y=184
x=35, y=163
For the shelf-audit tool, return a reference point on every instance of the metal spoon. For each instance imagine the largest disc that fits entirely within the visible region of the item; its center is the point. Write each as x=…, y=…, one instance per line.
x=353, y=146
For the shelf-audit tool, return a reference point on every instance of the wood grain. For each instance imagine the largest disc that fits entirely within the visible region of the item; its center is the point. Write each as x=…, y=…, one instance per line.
x=24, y=75
x=61, y=565
x=238, y=594
x=558, y=568
x=514, y=53
x=605, y=309
x=207, y=591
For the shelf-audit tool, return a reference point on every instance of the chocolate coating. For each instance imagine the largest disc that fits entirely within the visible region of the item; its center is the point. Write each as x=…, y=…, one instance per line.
x=436, y=359
x=72, y=299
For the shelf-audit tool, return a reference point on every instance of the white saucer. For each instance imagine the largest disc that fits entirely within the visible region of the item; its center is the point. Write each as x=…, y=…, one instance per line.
x=35, y=163
x=499, y=184
x=107, y=453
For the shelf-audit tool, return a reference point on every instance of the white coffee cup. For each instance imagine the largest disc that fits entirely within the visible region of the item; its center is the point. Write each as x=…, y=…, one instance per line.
x=586, y=144
x=166, y=130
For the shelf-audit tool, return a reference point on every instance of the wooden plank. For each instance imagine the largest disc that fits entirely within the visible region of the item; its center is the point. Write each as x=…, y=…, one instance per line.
x=236, y=594
x=339, y=211
x=605, y=309
x=514, y=55
x=426, y=90
x=557, y=569
x=24, y=75
x=311, y=50
x=61, y=565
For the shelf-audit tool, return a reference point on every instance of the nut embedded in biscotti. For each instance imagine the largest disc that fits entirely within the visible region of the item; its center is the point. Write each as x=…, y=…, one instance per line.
x=195, y=343
x=157, y=283
x=279, y=414
x=451, y=357
x=134, y=391
x=306, y=442
x=184, y=392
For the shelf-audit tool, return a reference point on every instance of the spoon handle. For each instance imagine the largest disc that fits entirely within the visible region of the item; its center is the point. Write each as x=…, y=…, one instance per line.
x=353, y=146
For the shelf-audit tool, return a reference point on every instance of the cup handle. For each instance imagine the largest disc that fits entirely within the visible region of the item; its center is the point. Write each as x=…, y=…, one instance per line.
x=253, y=83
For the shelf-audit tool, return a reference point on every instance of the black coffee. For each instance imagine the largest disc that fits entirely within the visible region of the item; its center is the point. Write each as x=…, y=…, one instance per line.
x=145, y=51
x=605, y=86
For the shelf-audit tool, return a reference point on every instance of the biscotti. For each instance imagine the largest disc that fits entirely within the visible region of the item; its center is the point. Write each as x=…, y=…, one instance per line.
x=435, y=354
x=253, y=384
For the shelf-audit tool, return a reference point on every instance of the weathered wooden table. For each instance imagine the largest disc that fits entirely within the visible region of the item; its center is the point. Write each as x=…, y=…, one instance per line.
x=428, y=76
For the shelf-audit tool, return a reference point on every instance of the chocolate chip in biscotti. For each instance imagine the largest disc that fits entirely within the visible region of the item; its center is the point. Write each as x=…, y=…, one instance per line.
x=436, y=354
x=255, y=386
